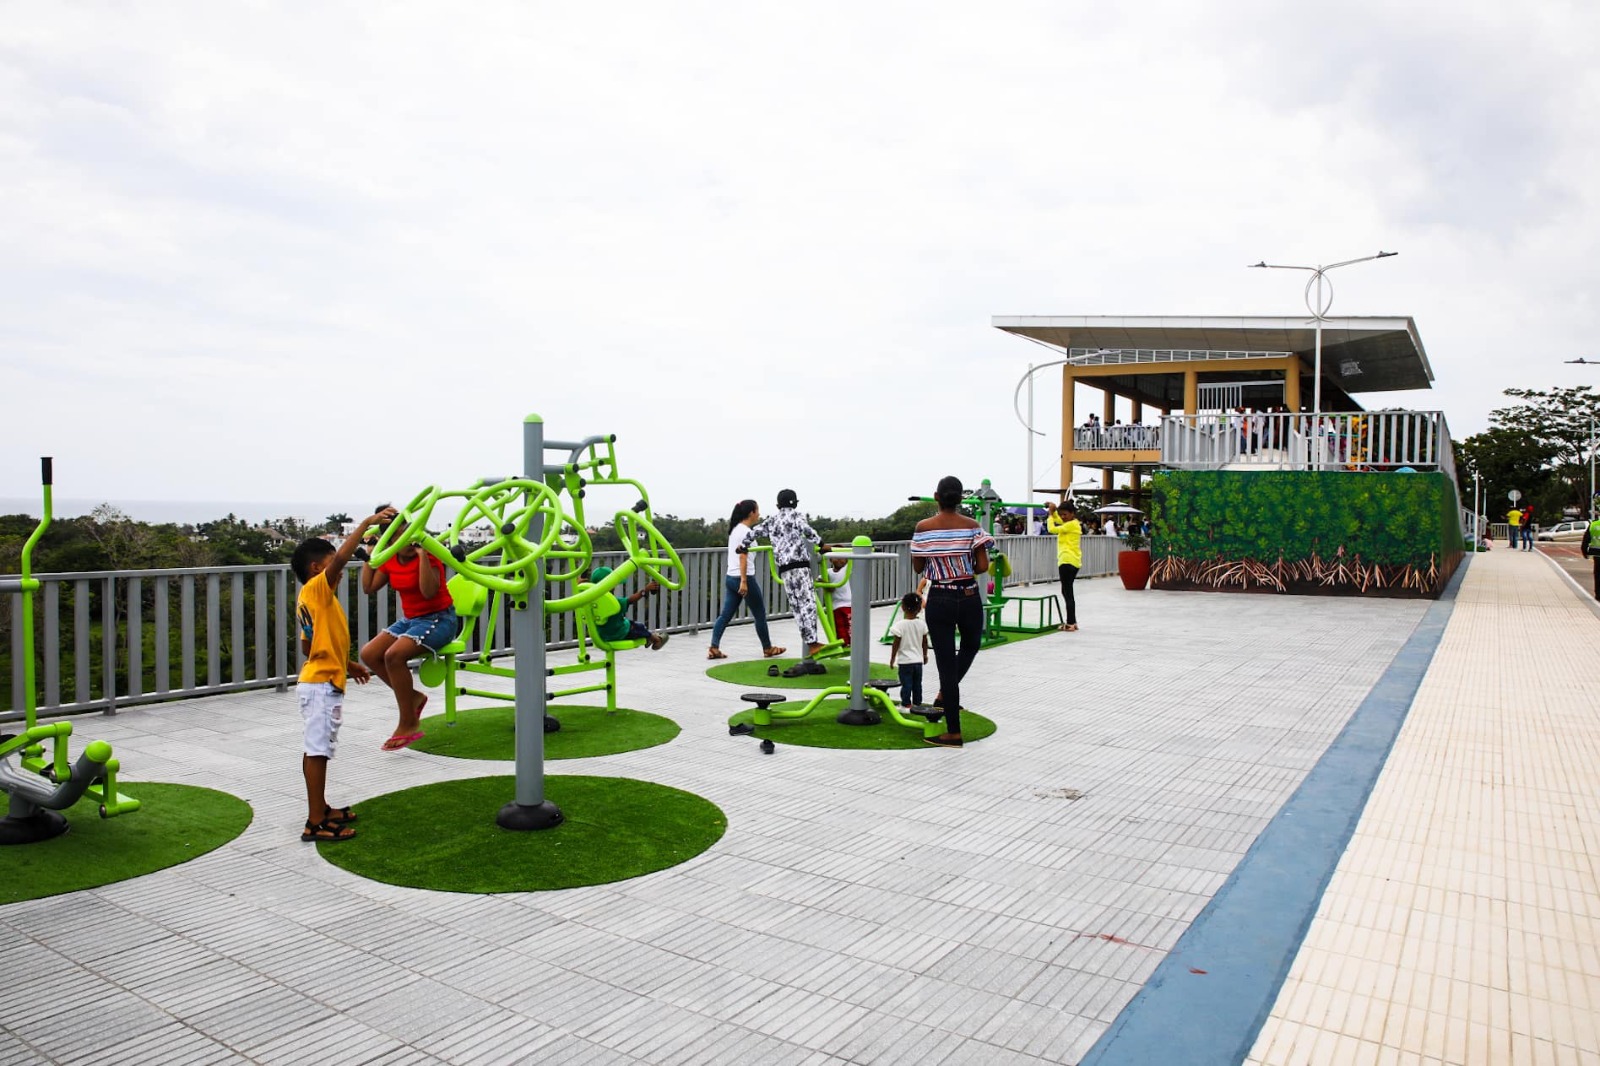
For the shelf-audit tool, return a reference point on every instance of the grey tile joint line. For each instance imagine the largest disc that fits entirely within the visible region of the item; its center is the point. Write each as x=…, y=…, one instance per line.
x=1207, y=1001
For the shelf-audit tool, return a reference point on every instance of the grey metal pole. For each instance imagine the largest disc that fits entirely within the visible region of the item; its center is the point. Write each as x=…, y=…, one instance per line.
x=861, y=557
x=530, y=810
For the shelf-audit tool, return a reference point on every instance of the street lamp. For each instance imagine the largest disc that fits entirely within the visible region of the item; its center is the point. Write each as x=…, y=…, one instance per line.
x=1319, y=309
x=1027, y=423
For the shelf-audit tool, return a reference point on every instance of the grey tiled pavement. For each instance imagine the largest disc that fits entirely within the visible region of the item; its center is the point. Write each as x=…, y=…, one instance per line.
x=923, y=907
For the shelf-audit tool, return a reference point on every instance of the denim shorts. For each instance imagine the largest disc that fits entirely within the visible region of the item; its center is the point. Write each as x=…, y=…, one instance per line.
x=431, y=630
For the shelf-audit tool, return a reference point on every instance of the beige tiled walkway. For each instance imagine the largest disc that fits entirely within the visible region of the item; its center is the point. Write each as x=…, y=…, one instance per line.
x=1463, y=922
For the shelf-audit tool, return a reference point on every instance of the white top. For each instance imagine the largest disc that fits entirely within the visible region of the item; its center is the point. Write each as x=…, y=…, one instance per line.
x=741, y=536
x=911, y=632
x=841, y=595
x=1110, y=527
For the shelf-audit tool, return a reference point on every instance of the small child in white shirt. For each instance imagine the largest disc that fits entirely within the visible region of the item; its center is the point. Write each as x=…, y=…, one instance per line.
x=841, y=601
x=911, y=648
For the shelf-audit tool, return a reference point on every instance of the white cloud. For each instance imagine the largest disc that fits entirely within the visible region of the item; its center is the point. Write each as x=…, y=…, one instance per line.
x=260, y=249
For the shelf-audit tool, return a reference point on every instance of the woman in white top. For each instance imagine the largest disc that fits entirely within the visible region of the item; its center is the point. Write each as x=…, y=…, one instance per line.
x=739, y=584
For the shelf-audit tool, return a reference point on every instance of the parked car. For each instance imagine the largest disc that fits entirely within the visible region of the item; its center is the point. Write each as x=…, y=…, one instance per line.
x=1564, y=531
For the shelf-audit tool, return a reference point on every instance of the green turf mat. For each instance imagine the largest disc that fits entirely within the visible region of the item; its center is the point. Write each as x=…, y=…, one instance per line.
x=444, y=837
x=819, y=730
x=174, y=823
x=486, y=732
x=753, y=674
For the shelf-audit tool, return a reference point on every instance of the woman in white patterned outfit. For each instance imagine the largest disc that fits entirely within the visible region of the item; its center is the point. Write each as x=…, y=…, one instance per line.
x=792, y=539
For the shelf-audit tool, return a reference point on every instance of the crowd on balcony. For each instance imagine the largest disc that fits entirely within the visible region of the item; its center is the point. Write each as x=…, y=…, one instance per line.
x=1099, y=436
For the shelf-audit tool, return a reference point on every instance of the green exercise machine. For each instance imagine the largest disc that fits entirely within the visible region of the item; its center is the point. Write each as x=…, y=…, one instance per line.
x=42, y=785
x=537, y=544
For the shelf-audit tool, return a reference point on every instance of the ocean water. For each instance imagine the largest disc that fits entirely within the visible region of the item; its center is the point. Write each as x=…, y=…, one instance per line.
x=178, y=511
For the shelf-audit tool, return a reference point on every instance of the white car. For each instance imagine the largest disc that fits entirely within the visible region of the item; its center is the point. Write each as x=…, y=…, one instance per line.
x=1571, y=530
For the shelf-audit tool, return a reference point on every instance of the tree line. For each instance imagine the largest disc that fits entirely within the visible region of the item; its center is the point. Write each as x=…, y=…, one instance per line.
x=1540, y=446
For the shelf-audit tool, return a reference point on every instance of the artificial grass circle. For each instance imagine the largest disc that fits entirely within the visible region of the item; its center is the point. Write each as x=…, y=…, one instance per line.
x=488, y=732
x=444, y=836
x=819, y=730
x=753, y=673
x=174, y=823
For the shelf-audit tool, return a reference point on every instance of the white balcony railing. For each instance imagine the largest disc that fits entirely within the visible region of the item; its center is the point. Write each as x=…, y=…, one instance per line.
x=1366, y=440
x=1116, y=438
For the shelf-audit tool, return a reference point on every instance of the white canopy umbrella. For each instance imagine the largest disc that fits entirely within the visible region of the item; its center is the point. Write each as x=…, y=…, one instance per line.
x=1117, y=508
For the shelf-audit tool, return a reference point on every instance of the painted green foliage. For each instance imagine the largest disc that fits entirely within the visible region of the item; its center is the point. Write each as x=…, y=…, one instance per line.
x=1391, y=519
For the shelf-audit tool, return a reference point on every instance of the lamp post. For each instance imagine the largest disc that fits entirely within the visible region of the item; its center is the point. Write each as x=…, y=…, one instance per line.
x=1581, y=361
x=1027, y=423
x=1319, y=309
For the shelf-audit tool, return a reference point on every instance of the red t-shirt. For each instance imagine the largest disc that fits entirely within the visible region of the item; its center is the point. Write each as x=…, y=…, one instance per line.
x=403, y=579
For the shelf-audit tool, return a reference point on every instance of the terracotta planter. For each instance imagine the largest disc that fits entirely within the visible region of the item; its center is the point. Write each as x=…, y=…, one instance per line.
x=1134, y=569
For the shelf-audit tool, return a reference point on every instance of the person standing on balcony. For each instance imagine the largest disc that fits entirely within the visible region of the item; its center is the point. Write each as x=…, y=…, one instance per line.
x=427, y=624
x=1063, y=522
x=951, y=550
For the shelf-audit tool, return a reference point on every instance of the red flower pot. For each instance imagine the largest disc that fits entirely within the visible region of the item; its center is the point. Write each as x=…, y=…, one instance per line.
x=1134, y=569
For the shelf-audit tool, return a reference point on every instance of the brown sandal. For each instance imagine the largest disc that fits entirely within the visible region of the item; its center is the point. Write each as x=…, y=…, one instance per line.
x=716, y=653
x=773, y=652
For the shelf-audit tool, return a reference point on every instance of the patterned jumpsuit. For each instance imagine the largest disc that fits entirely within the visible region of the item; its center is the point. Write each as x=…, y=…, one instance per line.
x=792, y=538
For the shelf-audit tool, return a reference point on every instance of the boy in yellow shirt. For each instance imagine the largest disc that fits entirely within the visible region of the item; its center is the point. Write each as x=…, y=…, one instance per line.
x=325, y=640
x=1063, y=522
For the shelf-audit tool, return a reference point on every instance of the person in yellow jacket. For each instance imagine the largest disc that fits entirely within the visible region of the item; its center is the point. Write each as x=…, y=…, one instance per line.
x=1063, y=522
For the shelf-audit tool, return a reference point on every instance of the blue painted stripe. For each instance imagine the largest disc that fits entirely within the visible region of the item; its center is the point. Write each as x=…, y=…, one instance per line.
x=1246, y=938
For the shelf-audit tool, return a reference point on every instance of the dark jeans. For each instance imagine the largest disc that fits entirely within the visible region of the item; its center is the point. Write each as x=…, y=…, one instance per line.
x=950, y=611
x=1069, y=574
x=730, y=605
x=911, y=680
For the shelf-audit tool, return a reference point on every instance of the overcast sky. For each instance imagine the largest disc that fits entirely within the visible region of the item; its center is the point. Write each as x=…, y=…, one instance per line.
x=337, y=251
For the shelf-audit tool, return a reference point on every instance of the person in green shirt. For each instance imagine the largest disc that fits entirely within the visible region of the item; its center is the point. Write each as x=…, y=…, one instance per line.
x=610, y=614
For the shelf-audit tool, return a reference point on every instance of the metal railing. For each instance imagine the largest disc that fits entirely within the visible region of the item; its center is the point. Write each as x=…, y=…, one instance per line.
x=1366, y=440
x=120, y=638
x=1116, y=438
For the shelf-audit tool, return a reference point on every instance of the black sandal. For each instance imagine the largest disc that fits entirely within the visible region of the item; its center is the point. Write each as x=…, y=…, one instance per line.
x=338, y=815
x=326, y=832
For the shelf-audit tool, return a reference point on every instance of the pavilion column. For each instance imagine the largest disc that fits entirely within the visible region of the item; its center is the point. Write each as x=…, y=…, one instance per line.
x=1111, y=408
x=1291, y=385
x=1191, y=393
x=1069, y=419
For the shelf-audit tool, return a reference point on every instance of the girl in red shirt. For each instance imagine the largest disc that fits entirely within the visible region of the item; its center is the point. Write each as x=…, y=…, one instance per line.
x=429, y=624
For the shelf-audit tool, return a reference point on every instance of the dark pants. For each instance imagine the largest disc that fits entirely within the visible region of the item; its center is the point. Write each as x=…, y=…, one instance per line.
x=730, y=604
x=1597, y=577
x=911, y=680
x=1069, y=574
x=950, y=611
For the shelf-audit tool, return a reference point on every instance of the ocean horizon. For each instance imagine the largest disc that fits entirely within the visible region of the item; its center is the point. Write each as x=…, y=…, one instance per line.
x=178, y=512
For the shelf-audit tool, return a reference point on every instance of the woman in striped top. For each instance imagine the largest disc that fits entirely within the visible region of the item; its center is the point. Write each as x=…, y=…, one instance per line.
x=951, y=550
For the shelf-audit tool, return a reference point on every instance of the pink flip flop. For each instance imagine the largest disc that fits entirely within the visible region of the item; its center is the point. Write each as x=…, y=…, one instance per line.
x=395, y=743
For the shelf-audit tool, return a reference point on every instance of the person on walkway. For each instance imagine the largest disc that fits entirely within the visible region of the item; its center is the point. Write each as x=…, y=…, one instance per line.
x=1527, y=528
x=739, y=585
x=792, y=540
x=1063, y=522
x=1513, y=525
x=952, y=550
x=1591, y=551
x=428, y=622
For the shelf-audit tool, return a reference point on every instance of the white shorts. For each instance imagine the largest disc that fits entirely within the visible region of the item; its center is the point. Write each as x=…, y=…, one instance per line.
x=322, y=711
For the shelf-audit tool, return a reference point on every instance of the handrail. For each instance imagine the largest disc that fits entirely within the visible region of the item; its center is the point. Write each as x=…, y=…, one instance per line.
x=119, y=638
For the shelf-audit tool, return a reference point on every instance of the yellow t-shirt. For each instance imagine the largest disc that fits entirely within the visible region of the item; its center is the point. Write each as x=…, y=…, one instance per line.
x=1069, y=539
x=1513, y=518
x=323, y=623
